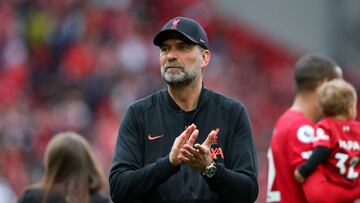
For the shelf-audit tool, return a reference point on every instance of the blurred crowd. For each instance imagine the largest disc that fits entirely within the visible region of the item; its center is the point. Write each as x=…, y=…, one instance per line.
x=77, y=64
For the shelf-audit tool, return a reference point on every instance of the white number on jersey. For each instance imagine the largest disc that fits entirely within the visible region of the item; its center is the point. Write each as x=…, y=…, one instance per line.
x=351, y=174
x=272, y=196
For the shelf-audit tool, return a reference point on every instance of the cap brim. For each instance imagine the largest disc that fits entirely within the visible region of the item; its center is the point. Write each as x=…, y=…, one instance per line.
x=172, y=34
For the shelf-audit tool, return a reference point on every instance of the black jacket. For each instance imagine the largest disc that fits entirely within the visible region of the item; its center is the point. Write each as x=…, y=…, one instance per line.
x=141, y=170
x=36, y=196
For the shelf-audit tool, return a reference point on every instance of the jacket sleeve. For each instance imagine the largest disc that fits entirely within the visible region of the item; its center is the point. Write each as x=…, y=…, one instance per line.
x=129, y=179
x=236, y=181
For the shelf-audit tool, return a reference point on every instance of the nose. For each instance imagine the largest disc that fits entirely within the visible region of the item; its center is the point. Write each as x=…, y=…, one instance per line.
x=171, y=55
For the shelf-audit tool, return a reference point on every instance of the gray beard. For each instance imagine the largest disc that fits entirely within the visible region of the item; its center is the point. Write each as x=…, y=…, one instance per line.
x=178, y=81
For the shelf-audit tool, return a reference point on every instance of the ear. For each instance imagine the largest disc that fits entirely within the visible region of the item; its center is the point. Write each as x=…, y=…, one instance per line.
x=324, y=80
x=321, y=82
x=205, y=58
x=352, y=111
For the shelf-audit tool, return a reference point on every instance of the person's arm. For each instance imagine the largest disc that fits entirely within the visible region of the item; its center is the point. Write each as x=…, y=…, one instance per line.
x=129, y=179
x=237, y=181
x=318, y=156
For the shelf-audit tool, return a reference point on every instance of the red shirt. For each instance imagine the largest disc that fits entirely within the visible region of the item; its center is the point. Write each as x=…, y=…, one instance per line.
x=343, y=138
x=290, y=146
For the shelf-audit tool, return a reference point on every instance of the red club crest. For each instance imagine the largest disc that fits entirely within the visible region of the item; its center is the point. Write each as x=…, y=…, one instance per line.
x=175, y=23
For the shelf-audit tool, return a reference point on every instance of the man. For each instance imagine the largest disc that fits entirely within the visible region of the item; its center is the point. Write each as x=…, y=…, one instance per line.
x=185, y=143
x=291, y=142
x=331, y=172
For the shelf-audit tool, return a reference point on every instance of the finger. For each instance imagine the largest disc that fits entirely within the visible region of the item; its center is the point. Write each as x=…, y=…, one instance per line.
x=210, y=137
x=191, y=150
x=182, y=158
x=193, y=137
x=186, y=153
x=186, y=156
x=186, y=134
x=201, y=149
x=189, y=130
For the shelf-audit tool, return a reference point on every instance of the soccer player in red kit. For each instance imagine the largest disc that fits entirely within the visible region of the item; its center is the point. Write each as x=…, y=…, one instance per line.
x=333, y=169
x=291, y=142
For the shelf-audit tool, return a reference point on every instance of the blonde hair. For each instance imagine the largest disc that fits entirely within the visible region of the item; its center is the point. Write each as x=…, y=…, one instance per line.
x=336, y=97
x=71, y=169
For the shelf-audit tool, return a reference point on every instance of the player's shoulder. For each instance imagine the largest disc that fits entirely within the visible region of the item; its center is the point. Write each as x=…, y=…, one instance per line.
x=226, y=102
x=294, y=125
x=146, y=102
x=294, y=119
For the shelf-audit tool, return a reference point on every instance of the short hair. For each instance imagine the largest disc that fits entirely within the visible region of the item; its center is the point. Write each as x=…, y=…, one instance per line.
x=311, y=69
x=336, y=97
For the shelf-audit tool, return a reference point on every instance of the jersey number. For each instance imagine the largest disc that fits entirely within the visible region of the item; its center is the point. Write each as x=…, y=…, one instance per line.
x=351, y=174
x=272, y=196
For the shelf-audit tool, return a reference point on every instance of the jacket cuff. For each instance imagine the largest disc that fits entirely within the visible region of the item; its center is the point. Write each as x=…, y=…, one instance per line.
x=165, y=168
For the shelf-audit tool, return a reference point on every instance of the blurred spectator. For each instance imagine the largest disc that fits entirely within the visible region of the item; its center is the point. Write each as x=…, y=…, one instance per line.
x=72, y=174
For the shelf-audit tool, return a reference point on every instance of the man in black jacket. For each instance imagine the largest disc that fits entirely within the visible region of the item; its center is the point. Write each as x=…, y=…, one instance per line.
x=184, y=143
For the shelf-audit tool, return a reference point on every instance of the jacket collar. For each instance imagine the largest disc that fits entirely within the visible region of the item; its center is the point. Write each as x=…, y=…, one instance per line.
x=205, y=96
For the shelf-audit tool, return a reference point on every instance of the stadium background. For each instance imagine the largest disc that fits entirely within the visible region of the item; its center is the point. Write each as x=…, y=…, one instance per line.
x=77, y=64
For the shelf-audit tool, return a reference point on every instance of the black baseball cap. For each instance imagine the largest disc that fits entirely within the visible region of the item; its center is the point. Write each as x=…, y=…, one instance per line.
x=185, y=28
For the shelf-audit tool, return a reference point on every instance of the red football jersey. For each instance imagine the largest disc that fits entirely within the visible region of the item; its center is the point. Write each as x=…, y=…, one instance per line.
x=343, y=138
x=290, y=146
x=317, y=188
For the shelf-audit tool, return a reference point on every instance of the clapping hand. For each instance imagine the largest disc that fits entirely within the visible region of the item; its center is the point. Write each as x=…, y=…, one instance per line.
x=197, y=156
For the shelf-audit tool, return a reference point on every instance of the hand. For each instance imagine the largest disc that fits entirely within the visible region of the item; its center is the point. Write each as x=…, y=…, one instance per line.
x=298, y=177
x=197, y=156
x=179, y=142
